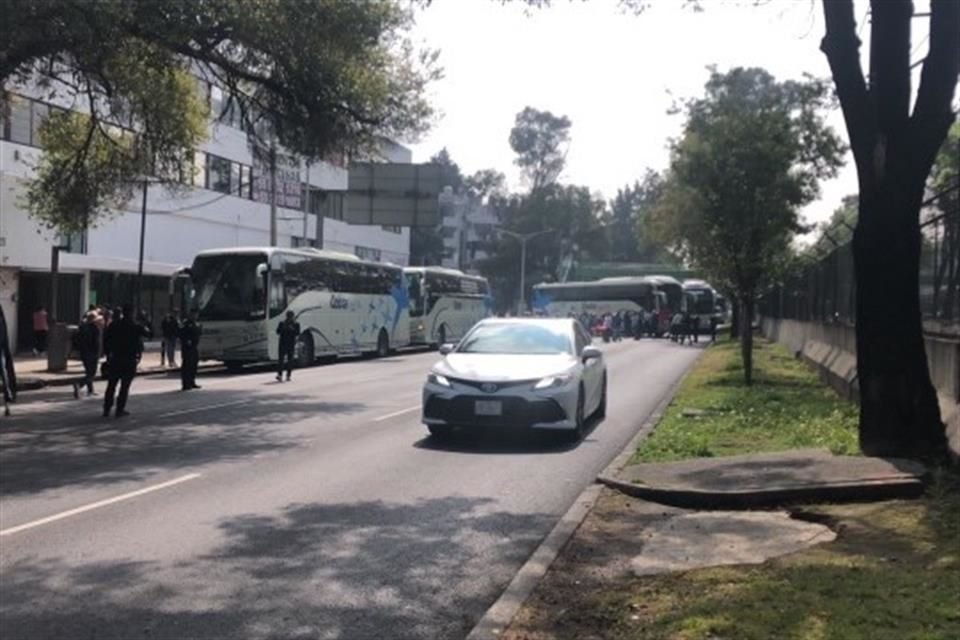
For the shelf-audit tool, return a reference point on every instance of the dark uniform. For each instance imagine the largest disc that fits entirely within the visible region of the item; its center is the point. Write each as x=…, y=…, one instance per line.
x=289, y=331
x=88, y=341
x=122, y=345
x=189, y=335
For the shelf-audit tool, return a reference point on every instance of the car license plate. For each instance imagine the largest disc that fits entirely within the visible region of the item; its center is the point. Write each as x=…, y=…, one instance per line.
x=488, y=408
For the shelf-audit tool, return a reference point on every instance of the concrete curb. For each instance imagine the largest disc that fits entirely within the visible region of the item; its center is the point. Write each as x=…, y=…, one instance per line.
x=855, y=491
x=501, y=613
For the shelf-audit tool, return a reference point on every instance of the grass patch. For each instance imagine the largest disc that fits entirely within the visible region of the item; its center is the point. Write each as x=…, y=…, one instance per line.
x=786, y=408
x=893, y=574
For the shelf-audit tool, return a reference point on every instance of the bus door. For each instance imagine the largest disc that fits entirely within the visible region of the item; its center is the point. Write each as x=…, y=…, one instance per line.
x=180, y=292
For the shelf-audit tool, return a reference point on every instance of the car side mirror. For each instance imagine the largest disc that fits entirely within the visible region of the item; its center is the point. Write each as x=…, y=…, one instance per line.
x=446, y=348
x=590, y=353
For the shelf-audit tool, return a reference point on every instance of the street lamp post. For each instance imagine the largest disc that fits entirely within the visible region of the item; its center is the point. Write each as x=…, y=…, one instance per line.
x=523, y=238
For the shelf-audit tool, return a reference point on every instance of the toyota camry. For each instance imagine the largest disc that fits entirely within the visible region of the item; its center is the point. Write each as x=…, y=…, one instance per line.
x=517, y=372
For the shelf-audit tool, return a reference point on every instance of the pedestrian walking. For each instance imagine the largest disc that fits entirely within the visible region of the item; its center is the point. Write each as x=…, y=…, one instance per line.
x=714, y=321
x=122, y=345
x=8, y=377
x=41, y=328
x=169, y=330
x=189, y=333
x=289, y=331
x=628, y=324
x=88, y=341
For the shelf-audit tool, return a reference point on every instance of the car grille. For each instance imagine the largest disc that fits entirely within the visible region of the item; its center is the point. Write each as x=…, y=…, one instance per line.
x=500, y=385
x=516, y=411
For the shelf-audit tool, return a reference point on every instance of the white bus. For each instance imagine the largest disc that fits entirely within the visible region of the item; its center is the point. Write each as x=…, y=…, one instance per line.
x=701, y=303
x=599, y=297
x=444, y=303
x=344, y=305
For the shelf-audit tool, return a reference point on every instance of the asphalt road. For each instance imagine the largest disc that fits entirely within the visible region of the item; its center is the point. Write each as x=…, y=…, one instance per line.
x=317, y=508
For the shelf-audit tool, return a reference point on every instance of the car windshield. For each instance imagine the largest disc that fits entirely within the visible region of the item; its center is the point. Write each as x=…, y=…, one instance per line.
x=518, y=338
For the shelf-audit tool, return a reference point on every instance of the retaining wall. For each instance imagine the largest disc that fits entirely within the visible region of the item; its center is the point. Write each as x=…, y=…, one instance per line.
x=831, y=349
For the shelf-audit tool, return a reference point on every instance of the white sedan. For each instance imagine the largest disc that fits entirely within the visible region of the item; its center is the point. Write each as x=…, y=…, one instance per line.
x=517, y=372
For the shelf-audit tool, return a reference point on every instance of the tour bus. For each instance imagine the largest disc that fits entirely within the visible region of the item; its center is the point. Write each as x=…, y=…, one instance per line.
x=599, y=297
x=444, y=303
x=701, y=300
x=344, y=305
x=673, y=292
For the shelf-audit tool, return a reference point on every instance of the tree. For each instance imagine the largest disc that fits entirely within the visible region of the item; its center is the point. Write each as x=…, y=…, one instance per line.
x=540, y=141
x=838, y=230
x=752, y=153
x=322, y=76
x=627, y=223
x=894, y=149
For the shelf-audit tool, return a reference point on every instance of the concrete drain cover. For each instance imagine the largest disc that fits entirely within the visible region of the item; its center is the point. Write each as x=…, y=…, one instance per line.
x=713, y=538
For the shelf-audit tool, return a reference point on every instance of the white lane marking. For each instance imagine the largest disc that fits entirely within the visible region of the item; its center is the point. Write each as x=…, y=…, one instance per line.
x=397, y=413
x=203, y=408
x=97, y=505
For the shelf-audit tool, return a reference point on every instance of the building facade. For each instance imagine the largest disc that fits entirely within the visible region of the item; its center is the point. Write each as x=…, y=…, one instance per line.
x=227, y=203
x=468, y=227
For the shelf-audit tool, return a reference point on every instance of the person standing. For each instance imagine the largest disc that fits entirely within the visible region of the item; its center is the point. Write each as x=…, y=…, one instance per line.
x=88, y=341
x=628, y=324
x=169, y=329
x=189, y=333
x=289, y=331
x=121, y=343
x=8, y=377
x=41, y=328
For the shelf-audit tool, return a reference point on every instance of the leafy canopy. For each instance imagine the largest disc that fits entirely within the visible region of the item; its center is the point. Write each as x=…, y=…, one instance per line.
x=321, y=76
x=540, y=141
x=752, y=153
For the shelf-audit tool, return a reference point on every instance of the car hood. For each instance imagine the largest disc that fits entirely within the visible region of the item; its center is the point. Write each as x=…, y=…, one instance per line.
x=503, y=367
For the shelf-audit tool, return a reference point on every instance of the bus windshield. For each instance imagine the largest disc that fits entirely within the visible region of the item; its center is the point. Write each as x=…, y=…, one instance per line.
x=227, y=287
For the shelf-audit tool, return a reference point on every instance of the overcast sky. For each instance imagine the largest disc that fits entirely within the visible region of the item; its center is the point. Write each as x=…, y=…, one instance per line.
x=614, y=74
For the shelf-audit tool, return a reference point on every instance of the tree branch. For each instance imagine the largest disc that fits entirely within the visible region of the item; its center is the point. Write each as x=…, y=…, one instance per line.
x=842, y=48
x=890, y=62
x=932, y=114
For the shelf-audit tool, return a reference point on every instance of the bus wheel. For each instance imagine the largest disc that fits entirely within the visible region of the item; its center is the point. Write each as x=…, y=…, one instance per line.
x=305, y=352
x=383, y=344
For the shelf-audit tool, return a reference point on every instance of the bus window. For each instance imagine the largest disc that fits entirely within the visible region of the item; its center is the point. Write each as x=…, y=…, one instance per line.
x=278, y=298
x=415, y=289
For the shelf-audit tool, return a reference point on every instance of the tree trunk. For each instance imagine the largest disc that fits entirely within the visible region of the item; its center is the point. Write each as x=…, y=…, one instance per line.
x=734, y=318
x=899, y=413
x=746, y=339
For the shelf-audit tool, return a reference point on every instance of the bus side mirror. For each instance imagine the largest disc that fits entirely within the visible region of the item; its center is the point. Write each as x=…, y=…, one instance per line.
x=446, y=348
x=263, y=270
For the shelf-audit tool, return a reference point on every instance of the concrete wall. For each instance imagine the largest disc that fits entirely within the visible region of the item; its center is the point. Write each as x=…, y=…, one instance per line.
x=832, y=350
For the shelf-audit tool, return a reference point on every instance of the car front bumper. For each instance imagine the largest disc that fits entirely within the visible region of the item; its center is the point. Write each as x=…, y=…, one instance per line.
x=522, y=406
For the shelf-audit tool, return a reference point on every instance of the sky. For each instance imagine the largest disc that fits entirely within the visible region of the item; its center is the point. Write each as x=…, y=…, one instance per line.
x=614, y=74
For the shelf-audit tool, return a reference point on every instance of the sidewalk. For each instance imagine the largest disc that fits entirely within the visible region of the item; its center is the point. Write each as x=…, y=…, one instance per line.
x=32, y=371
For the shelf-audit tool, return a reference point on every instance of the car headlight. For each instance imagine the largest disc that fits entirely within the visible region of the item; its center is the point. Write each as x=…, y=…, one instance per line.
x=436, y=378
x=553, y=381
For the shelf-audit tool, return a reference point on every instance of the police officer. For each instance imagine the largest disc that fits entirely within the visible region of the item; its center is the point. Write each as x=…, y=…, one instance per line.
x=122, y=342
x=189, y=334
x=289, y=331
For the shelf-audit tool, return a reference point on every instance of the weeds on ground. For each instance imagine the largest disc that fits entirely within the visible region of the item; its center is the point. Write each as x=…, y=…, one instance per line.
x=787, y=407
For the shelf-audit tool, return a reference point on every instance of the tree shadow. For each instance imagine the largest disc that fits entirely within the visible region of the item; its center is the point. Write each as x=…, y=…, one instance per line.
x=427, y=569
x=43, y=453
x=487, y=440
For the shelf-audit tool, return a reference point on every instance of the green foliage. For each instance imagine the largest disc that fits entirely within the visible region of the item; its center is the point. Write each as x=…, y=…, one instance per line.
x=540, y=140
x=322, y=76
x=629, y=234
x=751, y=155
x=786, y=408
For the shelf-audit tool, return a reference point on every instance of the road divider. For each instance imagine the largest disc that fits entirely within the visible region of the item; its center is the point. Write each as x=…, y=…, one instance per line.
x=98, y=504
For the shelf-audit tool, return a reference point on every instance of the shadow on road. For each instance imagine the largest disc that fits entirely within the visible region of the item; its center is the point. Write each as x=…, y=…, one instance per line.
x=484, y=440
x=348, y=570
x=36, y=455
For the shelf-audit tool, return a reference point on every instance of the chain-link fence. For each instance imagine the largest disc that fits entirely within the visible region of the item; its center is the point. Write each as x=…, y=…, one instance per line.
x=825, y=291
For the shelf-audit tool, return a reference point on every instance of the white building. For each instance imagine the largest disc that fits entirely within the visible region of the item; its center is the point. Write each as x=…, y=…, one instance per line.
x=228, y=205
x=468, y=227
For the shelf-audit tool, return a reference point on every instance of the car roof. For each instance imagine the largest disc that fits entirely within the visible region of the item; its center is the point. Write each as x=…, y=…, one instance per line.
x=553, y=323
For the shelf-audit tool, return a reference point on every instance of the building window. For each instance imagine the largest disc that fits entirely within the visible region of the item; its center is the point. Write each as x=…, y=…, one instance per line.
x=218, y=170
x=19, y=120
x=392, y=228
x=367, y=253
x=296, y=241
x=244, y=189
x=39, y=114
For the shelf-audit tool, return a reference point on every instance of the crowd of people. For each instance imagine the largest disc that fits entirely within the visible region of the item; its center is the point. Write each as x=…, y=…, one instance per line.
x=614, y=327
x=112, y=340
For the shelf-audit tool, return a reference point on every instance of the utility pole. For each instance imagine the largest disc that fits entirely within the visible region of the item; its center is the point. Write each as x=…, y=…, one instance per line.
x=523, y=238
x=273, y=194
x=306, y=203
